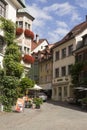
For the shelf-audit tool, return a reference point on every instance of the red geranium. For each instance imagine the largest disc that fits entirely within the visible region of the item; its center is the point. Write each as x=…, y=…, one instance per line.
x=29, y=33
x=19, y=31
x=28, y=59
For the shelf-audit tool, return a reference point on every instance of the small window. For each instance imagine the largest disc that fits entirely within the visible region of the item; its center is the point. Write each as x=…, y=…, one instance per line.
x=56, y=72
x=69, y=68
x=70, y=49
x=63, y=70
x=64, y=53
x=80, y=57
x=2, y=8
x=57, y=55
x=25, y=25
x=20, y=24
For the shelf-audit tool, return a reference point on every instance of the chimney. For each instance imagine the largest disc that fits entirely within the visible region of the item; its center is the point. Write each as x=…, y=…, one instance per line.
x=37, y=38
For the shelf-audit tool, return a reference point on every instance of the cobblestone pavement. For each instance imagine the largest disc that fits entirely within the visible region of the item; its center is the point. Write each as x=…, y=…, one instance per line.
x=51, y=116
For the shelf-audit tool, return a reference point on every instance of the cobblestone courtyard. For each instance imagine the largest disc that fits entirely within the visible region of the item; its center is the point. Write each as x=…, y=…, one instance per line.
x=51, y=116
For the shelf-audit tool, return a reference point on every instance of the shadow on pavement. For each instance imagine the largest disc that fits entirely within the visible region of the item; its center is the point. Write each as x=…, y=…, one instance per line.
x=67, y=105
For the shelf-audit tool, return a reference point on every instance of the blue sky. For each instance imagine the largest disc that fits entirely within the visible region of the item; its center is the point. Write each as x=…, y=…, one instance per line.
x=55, y=18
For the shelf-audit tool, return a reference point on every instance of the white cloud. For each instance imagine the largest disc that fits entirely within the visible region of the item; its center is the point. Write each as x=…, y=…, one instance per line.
x=82, y=3
x=43, y=1
x=58, y=34
x=64, y=9
x=61, y=24
x=47, y=23
x=38, y=12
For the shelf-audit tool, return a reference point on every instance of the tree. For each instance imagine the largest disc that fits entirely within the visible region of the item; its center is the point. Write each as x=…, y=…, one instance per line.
x=75, y=72
x=25, y=84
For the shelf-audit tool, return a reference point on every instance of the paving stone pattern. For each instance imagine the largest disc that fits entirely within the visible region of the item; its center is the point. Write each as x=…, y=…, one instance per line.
x=51, y=116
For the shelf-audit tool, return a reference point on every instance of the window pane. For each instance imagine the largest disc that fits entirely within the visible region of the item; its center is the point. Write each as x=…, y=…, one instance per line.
x=57, y=55
x=56, y=72
x=63, y=71
x=64, y=53
x=2, y=8
x=70, y=49
x=20, y=24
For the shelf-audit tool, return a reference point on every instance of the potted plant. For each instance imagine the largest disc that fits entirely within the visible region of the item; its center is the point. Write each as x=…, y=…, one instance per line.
x=28, y=59
x=84, y=103
x=37, y=101
x=19, y=31
x=28, y=33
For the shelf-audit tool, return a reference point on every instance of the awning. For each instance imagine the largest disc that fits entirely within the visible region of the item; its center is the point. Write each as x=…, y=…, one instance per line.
x=81, y=88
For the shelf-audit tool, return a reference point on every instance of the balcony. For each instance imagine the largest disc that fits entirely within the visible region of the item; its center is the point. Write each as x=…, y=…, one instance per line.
x=61, y=79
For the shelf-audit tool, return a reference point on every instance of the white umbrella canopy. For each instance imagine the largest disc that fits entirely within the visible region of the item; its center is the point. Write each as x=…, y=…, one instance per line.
x=36, y=87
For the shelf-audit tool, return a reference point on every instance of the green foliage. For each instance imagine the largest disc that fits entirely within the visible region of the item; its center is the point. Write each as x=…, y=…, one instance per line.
x=14, y=69
x=84, y=100
x=9, y=30
x=26, y=83
x=37, y=101
x=2, y=73
x=12, y=52
x=9, y=91
x=12, y=66
x=75, y=71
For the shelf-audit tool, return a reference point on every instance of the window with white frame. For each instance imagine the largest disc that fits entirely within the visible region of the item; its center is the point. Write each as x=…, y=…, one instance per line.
x=19, y=24
x=27, y=26
x=63, y=71
x=63, y=52
x=70, y=49
x=2, y=8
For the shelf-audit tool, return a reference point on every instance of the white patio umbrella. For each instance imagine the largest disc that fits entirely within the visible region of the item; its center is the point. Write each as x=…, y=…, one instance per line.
x=36, y=88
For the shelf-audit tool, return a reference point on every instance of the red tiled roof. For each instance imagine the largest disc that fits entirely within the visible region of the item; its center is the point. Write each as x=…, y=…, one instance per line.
x=35, y=44
x=76, y=30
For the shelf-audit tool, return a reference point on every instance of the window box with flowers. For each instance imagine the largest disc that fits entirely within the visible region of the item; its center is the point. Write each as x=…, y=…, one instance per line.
x=28, y=59
x=19, y=31
x=29, y=34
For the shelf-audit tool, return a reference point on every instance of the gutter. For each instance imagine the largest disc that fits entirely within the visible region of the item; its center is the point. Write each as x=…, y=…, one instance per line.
x=21, y=3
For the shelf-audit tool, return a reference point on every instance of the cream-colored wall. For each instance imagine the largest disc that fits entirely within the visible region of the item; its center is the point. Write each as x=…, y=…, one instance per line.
x=24, y=19
x=65, y=61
